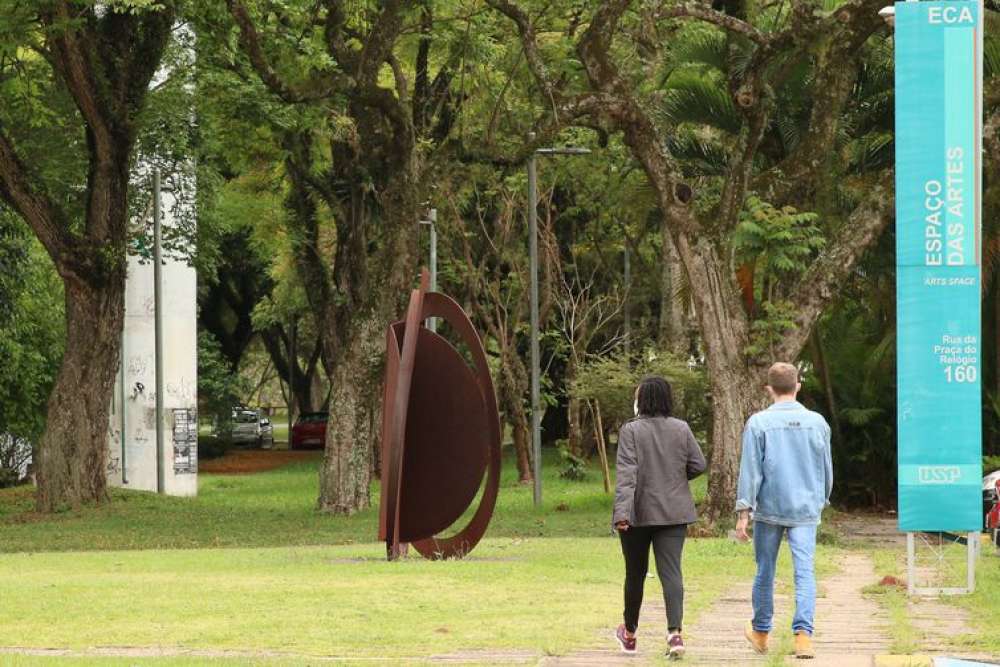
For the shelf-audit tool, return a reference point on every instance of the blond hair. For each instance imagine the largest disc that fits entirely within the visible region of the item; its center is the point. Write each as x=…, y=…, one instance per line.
x=783, y=378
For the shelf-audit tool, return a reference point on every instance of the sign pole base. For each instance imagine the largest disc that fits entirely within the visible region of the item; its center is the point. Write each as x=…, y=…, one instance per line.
x=938, y=564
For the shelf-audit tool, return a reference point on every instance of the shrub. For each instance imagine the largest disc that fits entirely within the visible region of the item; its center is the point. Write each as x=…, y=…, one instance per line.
x=219, y=387
x=574, y=467
x=15, y=457
x=612, y=381
x=212, y=447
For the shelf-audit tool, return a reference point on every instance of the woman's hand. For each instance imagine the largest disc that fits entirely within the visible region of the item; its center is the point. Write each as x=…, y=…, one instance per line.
x=621, y=526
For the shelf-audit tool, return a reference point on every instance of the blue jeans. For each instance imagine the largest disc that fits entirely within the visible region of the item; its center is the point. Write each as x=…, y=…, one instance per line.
x=802, y=543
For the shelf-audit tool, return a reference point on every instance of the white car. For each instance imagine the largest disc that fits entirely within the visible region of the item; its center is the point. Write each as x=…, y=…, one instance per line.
x=251, y=428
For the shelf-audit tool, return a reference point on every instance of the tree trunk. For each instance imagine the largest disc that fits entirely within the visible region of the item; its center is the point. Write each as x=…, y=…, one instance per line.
x=733, y=401
x=996, y=335
x=72, y=453
x=824, y=373
x=354, y=341
x=513, y=386
x=307, y=391
x=522, y=446
x=317, y=392
x=355, y=393
x=574, y=414
x=673, y=326
x=736, y=385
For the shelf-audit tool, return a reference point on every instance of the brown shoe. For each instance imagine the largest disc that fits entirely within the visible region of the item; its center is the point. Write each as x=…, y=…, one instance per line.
x=803, y=645
x=758, y=640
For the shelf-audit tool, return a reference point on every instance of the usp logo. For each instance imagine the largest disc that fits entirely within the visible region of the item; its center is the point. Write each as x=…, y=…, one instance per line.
x=938, y=474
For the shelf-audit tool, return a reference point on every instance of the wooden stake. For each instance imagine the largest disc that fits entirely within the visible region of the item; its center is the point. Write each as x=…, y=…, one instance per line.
x=602, y=448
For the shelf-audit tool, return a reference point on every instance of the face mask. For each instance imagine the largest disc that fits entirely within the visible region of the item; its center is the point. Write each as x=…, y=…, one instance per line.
x=635, y=407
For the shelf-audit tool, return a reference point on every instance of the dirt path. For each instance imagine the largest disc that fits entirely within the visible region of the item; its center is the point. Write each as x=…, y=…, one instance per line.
x=247, y=461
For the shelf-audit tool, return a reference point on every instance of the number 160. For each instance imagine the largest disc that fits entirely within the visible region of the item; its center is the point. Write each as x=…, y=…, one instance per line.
x=960, y=373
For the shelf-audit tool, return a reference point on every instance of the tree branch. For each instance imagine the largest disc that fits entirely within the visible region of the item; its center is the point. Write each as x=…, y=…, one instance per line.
x=820, y=283
x=615, y=102
x=846, y=30
x=529, y=45
x=72, y=56
x=251, y=43
x=704, y=12
x=47, y=220
x=378, y=45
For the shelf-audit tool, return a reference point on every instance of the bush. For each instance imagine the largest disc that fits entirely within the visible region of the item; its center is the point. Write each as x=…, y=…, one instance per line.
x=612, y=381
x=31, y=342
x=212, y=447
x=574, y=467
x=15, y=457
x=219, y=387
x=8, y=478
x=990, y=464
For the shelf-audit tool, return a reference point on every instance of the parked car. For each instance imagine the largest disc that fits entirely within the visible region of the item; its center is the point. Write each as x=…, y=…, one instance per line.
x=250, y=427
x=266, y=433
x=309, y=431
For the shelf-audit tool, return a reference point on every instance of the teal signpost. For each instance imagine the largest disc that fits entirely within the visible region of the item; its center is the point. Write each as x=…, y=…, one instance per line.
x=938, y=209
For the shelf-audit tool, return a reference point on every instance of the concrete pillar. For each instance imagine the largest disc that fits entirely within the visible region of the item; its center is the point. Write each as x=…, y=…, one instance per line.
x=132, y=458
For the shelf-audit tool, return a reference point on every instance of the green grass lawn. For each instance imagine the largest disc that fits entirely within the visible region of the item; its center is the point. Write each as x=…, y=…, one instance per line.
x=278, y=508
x=145, y=571
x=250, y=565
x=983, y=605
x=551, y=595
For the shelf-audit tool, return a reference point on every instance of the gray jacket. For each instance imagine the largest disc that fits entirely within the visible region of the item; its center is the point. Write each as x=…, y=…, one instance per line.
x=656, y=458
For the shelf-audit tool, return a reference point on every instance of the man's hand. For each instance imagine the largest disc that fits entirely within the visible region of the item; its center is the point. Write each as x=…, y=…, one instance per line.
x=742, y=523
x=621, y=526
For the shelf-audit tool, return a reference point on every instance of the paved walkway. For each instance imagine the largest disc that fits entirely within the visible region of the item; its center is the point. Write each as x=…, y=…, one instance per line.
x=851, y=630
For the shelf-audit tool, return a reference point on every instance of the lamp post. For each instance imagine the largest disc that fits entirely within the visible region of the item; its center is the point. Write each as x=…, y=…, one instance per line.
x=431, y=221
x=627, y=314
x=158, y=326
x=536, y=415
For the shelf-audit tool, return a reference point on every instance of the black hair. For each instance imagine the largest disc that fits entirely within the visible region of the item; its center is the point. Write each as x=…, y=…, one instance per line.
x=656, y=399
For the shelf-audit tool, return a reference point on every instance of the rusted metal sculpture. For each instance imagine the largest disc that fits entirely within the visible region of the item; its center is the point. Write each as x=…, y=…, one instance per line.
x=440, y=432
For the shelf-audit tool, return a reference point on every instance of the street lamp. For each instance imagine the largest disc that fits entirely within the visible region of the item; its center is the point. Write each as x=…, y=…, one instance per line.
x=888, y=15
x=432, y=216
x=536, y=415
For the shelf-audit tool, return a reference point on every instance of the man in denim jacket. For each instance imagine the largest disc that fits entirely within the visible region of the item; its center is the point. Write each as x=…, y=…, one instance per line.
x=786, y=474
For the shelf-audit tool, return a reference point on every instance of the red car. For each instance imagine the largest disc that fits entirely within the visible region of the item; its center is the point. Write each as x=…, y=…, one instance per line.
x=309, y=431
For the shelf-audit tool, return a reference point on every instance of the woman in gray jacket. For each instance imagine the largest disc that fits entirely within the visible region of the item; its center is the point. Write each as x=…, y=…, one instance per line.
x=657, y=455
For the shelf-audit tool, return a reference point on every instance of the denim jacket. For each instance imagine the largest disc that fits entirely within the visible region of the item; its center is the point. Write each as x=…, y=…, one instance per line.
x=786, y=471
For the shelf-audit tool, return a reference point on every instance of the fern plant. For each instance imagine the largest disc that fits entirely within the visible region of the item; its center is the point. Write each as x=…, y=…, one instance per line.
x=778, y=243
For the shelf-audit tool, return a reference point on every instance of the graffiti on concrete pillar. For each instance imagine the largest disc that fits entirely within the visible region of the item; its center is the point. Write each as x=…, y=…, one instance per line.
x=185, y=441
x=139, y=365
x=182, y=390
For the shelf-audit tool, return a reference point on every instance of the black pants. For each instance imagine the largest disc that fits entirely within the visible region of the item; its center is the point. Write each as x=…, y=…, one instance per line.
x=667, y=543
